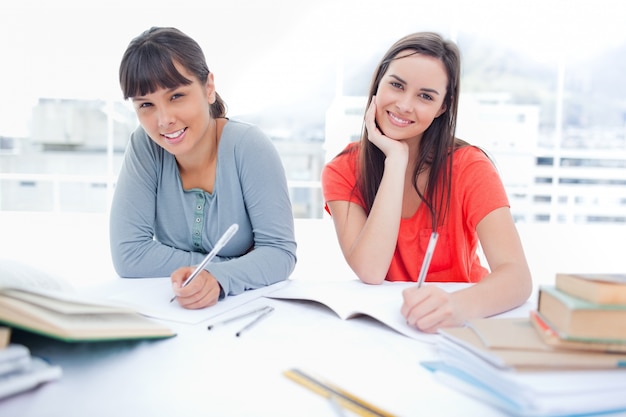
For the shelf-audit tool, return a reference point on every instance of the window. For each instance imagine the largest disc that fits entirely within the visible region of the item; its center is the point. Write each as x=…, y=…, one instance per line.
x=531, y=94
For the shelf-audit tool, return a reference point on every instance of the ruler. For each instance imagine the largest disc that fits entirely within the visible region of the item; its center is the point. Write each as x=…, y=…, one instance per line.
x=332, y=392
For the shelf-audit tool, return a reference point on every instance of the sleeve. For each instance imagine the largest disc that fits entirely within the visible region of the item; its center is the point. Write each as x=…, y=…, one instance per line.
x=266, y=196
x=339, y=178
x=480, y=184
x=135, y=253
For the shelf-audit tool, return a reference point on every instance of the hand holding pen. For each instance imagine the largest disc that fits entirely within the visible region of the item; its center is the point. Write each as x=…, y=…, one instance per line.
x=218, y=246
x=430, y=307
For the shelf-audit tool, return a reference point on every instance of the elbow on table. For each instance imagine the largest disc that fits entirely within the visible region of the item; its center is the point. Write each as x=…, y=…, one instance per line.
x=126, y=265
x=368, y=271
x=372, y=282
x=126, y=270
x=370, y=278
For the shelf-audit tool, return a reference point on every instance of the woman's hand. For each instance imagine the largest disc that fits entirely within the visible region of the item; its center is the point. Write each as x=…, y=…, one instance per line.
x=203, y=291
x=386, y=144
x=429, y=308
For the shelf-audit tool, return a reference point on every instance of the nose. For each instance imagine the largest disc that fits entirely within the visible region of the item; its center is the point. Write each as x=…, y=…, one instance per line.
x=165, y=118
x=404, y=104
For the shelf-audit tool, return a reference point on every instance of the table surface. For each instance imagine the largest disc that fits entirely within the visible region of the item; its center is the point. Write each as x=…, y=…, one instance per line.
x=201, y=372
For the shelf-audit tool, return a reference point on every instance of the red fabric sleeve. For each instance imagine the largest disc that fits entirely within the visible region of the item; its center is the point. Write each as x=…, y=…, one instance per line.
x=339, y=177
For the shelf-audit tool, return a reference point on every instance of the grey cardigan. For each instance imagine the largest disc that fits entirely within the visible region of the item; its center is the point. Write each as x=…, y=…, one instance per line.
x=156, y=226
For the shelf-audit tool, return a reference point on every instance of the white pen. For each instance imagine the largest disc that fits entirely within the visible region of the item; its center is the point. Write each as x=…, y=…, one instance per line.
x=261, y=316
x=427, y=257
x=230, y=232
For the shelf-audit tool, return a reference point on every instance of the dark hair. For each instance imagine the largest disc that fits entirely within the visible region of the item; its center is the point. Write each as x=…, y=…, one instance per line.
x=438, y=141
x=148, y=64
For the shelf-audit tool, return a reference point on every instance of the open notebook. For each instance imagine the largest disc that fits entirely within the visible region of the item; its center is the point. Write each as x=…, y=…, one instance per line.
x=352, y=298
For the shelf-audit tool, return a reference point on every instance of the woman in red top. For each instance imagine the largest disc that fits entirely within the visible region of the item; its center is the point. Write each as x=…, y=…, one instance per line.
x=409, y=176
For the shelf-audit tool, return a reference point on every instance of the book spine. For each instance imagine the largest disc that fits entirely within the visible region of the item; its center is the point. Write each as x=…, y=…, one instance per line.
x=542, y=326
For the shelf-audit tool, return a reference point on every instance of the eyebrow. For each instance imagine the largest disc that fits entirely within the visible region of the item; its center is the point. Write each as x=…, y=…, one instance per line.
x=428, y=90
x=139, y=98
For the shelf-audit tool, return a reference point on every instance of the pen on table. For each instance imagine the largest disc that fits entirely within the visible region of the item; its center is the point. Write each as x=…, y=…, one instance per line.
x=432, y=242
x=336, y=406
x=229, y=233
x=260, y=317
x=337, y=396
x=239, y=316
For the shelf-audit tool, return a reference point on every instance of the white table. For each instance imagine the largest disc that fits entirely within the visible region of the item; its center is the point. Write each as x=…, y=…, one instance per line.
x=201, y=372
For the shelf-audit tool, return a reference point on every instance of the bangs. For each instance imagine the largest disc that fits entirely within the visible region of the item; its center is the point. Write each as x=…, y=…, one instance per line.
x=148, y=70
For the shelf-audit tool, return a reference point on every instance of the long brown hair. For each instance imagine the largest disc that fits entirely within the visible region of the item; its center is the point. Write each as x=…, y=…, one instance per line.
x=148, y=64
x=438, y=141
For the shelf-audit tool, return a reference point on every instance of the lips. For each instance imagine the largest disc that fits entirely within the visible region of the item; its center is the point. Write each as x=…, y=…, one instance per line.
x=398, y=121
x=174, y=137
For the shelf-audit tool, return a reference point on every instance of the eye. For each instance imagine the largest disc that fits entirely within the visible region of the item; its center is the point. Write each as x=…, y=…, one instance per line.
x=426, y=96
x=395, y=84
x=144, y=105
x=176, y=96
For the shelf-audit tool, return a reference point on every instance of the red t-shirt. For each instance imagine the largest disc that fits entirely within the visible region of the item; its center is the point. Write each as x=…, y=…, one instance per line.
x=476, y=191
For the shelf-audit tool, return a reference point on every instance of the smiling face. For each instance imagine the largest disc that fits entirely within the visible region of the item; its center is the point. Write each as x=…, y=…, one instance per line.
x=410, y=95
x=178, y=119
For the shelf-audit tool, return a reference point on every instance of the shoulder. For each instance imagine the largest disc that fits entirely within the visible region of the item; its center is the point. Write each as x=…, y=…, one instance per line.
x=244, y=147
x=470, y=157
x=141, y=143
x=139, y=137
x=239, y=131
x=346, y=159
x=470, y=153
x=476, y=173
x=245, y=138
x=340, y=173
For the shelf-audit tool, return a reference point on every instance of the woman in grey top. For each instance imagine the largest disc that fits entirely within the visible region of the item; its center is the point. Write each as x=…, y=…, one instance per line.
x=188, y=174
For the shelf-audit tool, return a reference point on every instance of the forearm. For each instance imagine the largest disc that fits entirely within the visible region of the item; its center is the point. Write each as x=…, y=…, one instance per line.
x=506, y=287
x=509, y=283
x=372, y=250
x=260, y=267
x=149, y=258
x=134, y=251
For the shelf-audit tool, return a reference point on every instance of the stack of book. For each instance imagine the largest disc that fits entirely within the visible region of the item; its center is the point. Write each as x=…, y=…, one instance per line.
x=36, y=302
x=568, y=358
x=19, y=371
x=583, y=311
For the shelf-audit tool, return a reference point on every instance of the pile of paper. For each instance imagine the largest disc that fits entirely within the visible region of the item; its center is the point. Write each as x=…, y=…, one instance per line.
x=503, y=361
x=19, y=371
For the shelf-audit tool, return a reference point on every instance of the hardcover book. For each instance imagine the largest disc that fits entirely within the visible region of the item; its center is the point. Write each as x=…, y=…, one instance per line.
x=576, y=318
x=553, y=338
x=39, y=303
x=597, y=288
